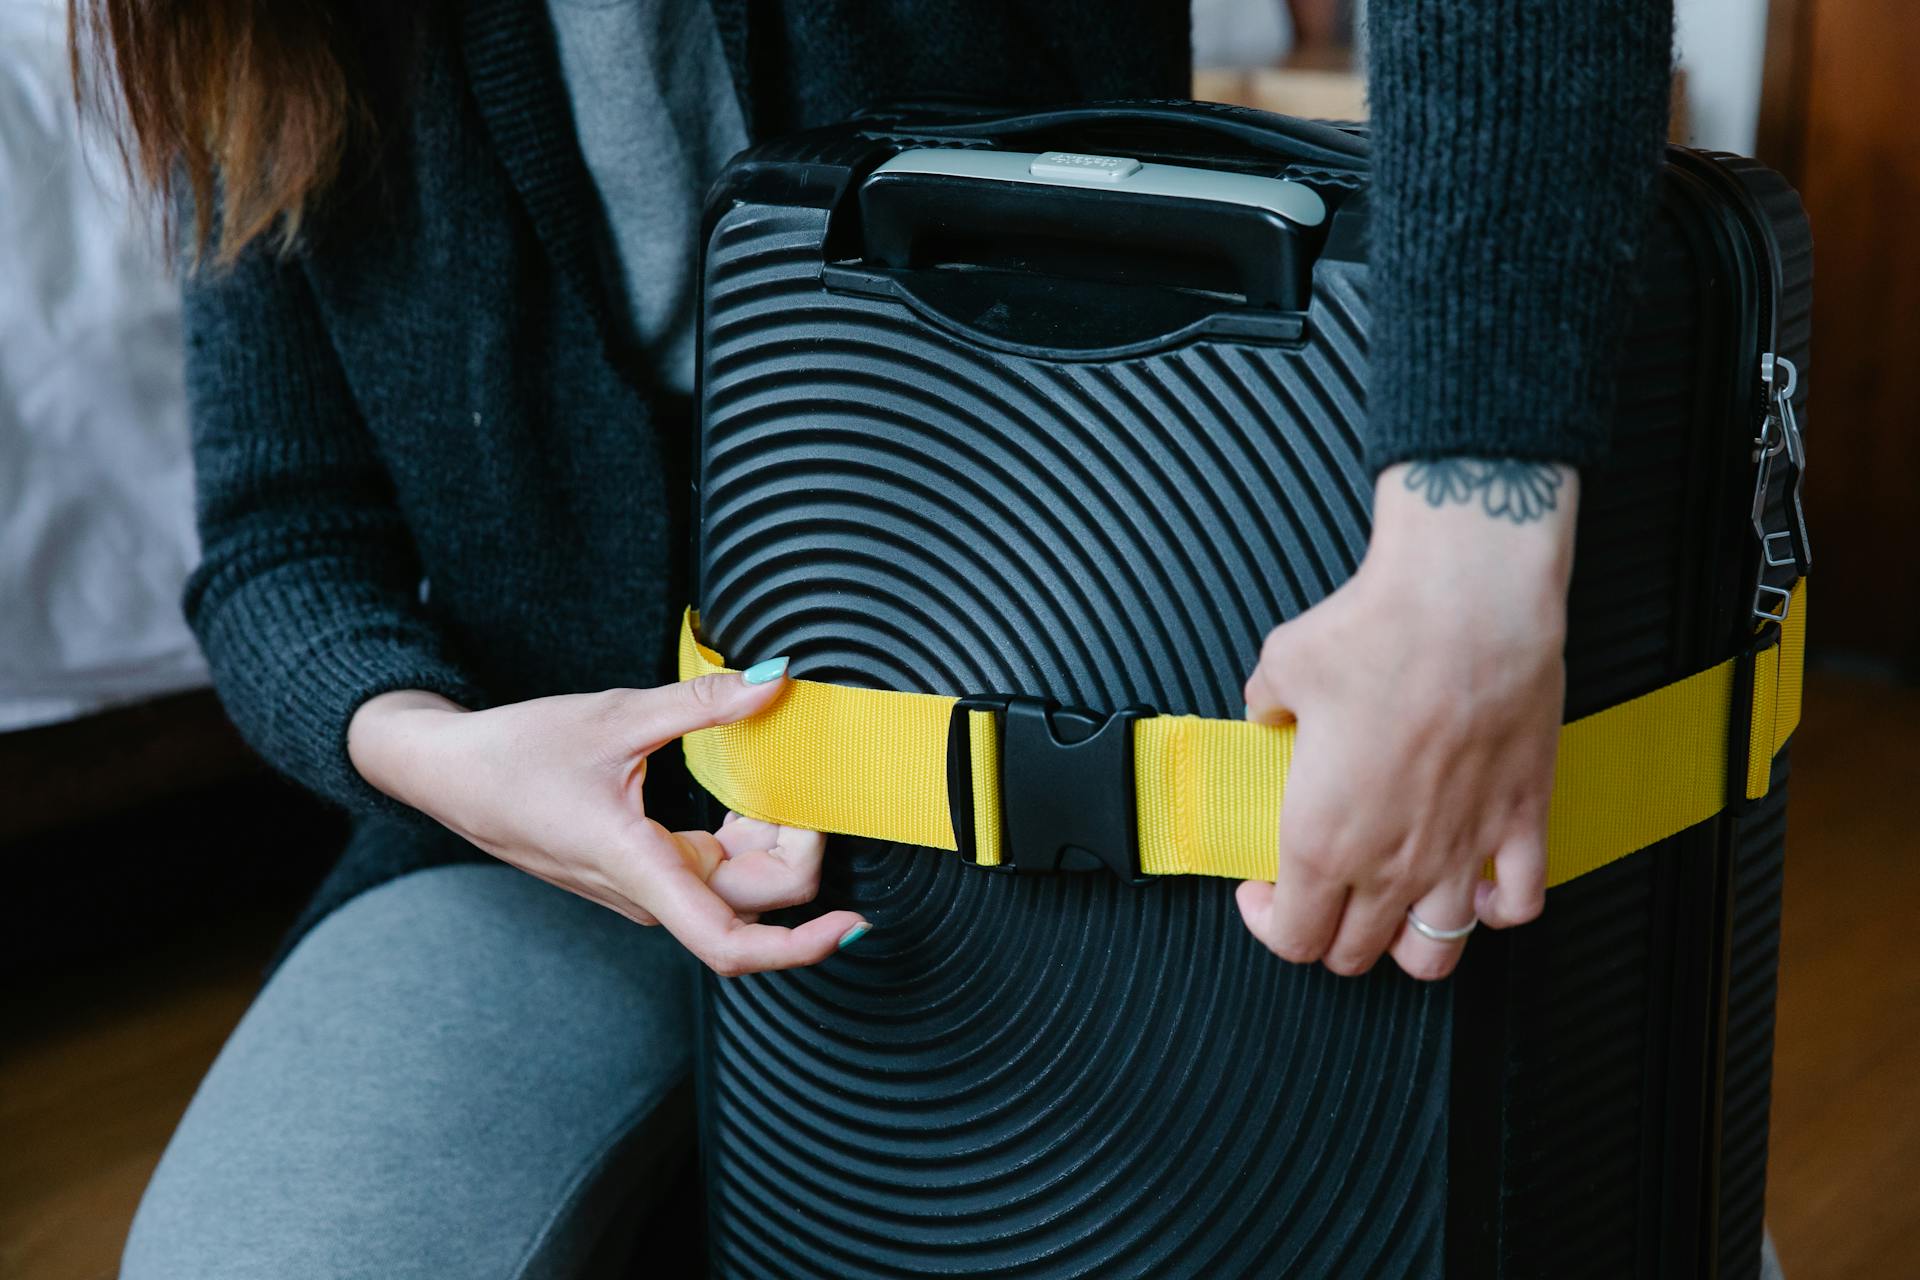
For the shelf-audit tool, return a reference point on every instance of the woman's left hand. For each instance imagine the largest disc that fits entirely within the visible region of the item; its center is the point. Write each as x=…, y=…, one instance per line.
x=1428, y=696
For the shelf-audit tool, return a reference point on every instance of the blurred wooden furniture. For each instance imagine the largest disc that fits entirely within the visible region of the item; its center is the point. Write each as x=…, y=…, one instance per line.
x=1337, y=93
x=1316, y=93
x=88, y=768
x=1837, y=118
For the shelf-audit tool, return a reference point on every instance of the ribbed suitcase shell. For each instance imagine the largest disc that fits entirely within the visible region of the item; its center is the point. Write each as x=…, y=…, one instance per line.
x=1054, y=1076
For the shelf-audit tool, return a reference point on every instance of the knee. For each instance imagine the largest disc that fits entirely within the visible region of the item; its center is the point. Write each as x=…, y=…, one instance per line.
x=183, y=1232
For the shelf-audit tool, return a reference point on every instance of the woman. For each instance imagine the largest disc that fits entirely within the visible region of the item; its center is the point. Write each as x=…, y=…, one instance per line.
x=439, y=350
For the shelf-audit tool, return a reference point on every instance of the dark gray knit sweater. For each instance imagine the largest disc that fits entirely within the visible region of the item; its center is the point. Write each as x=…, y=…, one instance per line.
x=429, y=459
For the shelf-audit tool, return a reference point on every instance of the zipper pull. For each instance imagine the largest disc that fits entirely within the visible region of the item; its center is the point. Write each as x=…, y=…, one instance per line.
x=1779, y=437
x=1771, y=367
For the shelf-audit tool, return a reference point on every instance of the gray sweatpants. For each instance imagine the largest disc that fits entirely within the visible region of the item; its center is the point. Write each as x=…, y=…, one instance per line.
x=465, y=1072
x=462, y=1073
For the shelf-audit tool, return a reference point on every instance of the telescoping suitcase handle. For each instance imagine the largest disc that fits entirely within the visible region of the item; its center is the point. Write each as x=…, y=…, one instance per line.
x=1286, y=138
x=946, y=204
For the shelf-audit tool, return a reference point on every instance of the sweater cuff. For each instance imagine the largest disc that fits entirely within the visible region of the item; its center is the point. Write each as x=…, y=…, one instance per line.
x=293, y=695
x=344, y=678
x=1522, y=370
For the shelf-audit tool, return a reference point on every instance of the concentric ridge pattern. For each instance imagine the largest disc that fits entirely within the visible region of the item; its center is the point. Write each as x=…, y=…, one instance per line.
x=1049, y=1076
x=1070, y=1077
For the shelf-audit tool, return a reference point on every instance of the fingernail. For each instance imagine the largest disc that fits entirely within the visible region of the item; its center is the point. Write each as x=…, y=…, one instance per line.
x=765, y=672
x=854, y=935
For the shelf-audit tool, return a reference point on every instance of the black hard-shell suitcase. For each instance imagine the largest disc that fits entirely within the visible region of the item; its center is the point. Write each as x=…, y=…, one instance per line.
x=924, y=424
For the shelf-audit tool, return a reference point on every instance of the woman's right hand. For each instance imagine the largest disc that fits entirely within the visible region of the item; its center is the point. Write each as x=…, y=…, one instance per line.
x=554, y=787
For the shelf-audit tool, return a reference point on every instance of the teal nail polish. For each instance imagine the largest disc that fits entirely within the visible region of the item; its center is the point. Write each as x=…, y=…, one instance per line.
x=765, y=672
x=854, y=935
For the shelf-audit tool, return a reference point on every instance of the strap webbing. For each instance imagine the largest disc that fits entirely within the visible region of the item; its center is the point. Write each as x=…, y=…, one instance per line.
x=870, y=762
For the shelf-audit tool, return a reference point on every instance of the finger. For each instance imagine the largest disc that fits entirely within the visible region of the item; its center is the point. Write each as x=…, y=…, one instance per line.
x=760, y=881
x=1445, y=906
x=1295, y=916
x=658, y=716
x=702, y=851
x=1367, y=928
x=782, y=871
x=730, y=946
x=738, y=835
x=1519, y=890
x=1268, y=690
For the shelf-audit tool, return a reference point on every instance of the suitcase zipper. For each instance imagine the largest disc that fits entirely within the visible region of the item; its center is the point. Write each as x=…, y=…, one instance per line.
x=1779, y=427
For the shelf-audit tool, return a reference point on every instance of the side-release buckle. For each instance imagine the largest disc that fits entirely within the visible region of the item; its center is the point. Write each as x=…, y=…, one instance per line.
x=1067, y=792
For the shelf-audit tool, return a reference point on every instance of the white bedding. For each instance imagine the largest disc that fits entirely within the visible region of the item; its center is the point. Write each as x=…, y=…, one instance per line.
x=96, y=524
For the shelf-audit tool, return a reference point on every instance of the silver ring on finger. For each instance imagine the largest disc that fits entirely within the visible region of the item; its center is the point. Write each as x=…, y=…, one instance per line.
x=1426, y=930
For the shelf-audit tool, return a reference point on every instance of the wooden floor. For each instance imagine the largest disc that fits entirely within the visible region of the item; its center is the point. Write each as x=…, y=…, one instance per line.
x=93, y=1077
x=1844, y=1177
x=95, y=1071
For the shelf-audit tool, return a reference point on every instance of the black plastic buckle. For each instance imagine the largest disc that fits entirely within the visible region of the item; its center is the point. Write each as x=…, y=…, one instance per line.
x=1740, y=712
x=1066, y=785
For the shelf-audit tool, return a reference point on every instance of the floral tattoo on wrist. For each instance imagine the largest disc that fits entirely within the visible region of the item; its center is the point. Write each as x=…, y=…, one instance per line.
x=1506, y=489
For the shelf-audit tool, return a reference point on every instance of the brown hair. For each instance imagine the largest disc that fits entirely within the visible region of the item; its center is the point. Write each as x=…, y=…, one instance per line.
x=258, y=95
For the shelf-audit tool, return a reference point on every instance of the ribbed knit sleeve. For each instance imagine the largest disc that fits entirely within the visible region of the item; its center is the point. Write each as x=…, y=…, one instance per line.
x=1515, y=148
x=307, y=597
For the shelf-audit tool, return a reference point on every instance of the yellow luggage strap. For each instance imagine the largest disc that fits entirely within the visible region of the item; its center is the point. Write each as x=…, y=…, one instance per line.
x=924, y=769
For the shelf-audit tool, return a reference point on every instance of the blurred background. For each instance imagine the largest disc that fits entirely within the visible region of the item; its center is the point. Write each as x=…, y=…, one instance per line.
x=150, y=864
